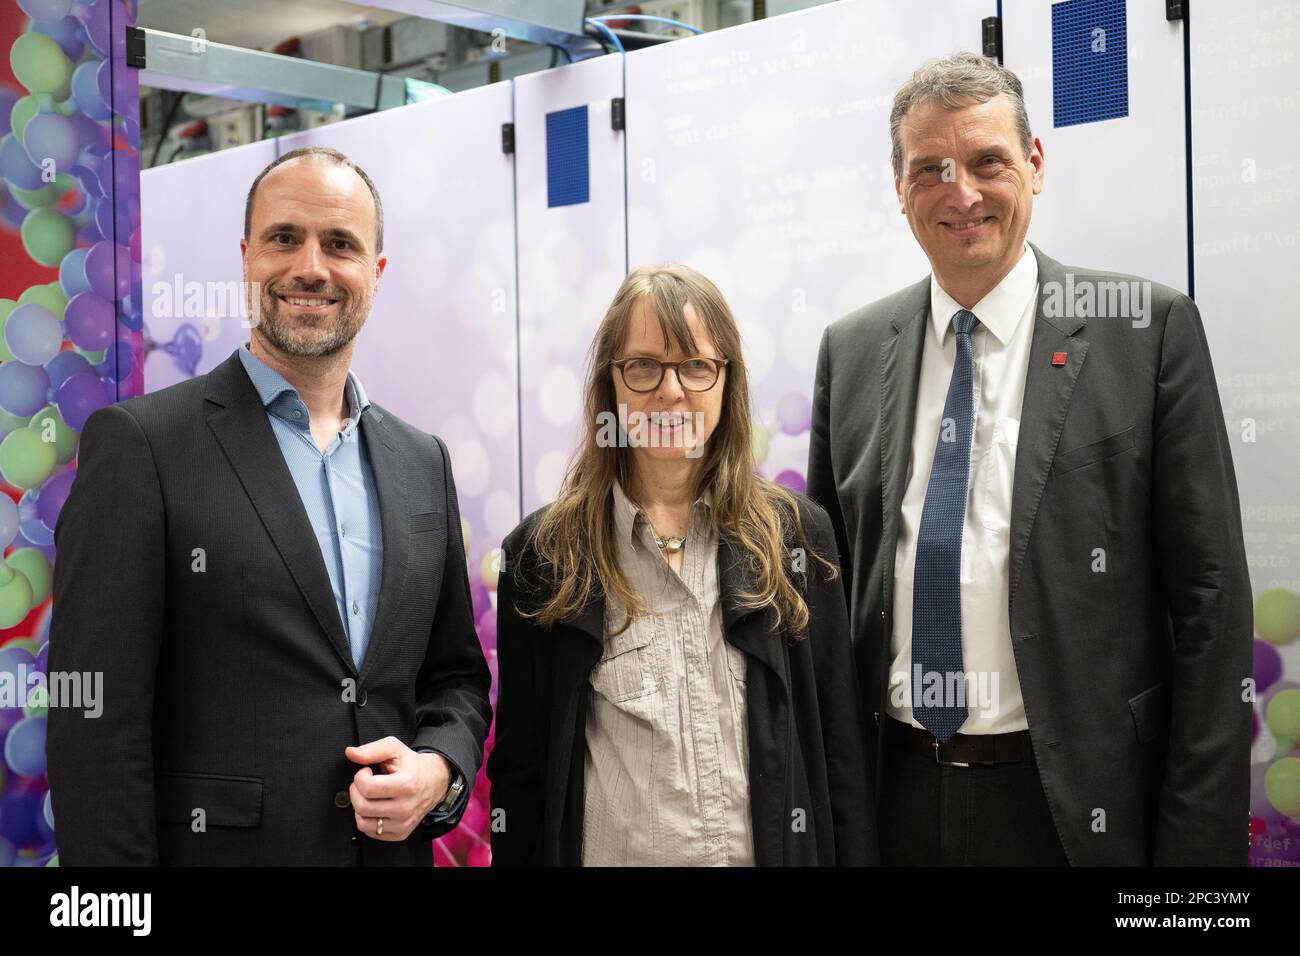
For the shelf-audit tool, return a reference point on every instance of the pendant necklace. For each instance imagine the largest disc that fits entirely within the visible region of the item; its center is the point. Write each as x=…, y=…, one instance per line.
x=671, y=544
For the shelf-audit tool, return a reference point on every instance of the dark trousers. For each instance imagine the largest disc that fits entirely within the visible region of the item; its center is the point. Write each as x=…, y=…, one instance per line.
x=931, y=815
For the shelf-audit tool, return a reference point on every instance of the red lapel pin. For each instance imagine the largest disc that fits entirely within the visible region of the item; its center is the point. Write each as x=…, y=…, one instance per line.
x=1058, y=358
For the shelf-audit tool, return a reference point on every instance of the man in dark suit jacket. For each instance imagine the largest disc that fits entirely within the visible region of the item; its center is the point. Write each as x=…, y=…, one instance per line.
x=268, y=571
x=1032, y=485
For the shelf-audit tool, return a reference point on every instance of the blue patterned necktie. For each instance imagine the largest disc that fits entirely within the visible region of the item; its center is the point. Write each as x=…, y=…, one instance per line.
x=936, y=588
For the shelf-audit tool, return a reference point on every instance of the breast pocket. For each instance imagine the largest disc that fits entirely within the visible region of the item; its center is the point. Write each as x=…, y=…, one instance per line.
x=426, y=521
x=1085, y=455
x=997, y=471
x=219, y=800
x=628, y=669
x=1150, y=710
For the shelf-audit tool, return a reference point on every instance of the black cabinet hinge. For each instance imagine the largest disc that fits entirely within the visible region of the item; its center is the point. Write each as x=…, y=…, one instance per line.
x=992, y=37
x=135, y=47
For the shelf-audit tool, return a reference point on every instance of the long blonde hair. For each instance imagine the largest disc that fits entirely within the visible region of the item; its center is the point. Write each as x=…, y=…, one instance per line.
x=574, y=540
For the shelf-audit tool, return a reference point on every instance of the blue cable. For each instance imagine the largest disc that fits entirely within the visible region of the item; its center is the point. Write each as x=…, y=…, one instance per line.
x=641, y=16
x=618, y=45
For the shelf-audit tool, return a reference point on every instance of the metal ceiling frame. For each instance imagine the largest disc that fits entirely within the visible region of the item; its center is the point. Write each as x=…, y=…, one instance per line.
x=558, y=22
x=193, y=64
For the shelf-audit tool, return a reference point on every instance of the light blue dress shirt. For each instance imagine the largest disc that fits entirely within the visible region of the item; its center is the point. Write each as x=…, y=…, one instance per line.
x=337, y=488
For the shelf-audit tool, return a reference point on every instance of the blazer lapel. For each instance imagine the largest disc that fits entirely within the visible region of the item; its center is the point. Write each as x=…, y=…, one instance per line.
x=756, y=640
x=591, y=619
x=1048, y=388
x=238, y=419
x=579, y=644
x=394, y=509
x=768, y=719
x=900, y=370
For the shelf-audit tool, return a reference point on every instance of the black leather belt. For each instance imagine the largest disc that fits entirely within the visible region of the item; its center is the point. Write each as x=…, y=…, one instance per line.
x=962, y=750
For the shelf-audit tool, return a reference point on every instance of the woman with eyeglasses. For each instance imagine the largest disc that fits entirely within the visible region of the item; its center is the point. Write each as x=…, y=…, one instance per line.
x=677, y=686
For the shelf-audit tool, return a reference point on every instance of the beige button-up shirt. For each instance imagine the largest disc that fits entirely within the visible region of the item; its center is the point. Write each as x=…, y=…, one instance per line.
x=667, y=763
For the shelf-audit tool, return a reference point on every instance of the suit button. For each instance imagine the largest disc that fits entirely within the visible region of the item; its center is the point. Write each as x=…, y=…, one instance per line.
x=342, y=800
x=362, y=697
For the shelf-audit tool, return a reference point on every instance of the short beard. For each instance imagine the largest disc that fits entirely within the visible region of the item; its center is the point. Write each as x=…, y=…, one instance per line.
x=289, y=339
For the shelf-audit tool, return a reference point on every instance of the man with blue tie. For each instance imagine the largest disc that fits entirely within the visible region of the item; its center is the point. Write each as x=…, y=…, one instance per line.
x=268, y=570
x=1039, y=527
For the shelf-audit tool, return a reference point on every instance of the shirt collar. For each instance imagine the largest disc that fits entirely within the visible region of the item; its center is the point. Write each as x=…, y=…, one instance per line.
x=282, y=400
x=1000, y=311
x=626, y=513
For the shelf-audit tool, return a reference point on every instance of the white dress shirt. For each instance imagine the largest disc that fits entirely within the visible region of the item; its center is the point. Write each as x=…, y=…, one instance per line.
x=1000, y=354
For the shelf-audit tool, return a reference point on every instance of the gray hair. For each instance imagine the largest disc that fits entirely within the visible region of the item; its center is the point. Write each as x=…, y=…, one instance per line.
x=319, y=154
x=955, y=82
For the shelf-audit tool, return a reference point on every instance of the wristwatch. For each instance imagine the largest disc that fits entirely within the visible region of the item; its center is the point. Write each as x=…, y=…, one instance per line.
x=453, y=792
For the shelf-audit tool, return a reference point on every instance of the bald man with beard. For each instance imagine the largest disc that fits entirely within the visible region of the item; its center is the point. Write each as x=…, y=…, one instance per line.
x=268, y=570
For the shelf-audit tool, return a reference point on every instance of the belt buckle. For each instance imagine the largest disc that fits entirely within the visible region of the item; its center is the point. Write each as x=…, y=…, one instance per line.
x=946, y=763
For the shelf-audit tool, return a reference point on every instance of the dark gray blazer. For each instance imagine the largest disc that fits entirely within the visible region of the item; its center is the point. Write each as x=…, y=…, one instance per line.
x=1132, y=678
x=224, y=688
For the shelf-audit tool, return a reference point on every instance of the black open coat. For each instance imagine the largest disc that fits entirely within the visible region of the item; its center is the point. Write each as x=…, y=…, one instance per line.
x=810, y=793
